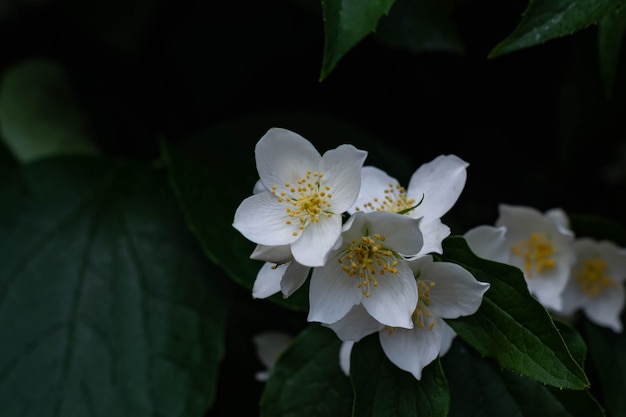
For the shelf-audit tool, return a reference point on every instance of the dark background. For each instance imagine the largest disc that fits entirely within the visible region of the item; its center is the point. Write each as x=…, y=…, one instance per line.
x=535, y=125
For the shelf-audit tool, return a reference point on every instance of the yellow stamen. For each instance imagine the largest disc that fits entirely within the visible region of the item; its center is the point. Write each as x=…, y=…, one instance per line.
x=592, y=277
x=422, y=314
x=537, y=253
x=395, y=200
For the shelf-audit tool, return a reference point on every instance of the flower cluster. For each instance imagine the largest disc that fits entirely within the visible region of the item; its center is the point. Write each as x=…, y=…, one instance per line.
x=565, y=273
x=364, y=240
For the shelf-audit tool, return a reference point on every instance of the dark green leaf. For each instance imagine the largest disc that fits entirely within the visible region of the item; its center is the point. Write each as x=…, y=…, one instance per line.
x=39, y=114
x=610, y=35
x=549, y=19
x=346, y=23
x=307, y=380
x=109, y=307
x=420, y=26
x=479, y=387
x=574, y=341
x=598, y=227
x=511, y=325
x=383, y=389
x=607, y=354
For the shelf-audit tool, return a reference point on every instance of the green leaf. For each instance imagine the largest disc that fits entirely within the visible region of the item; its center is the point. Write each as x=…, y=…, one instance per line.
x=346, y=23
x=610, y=35
x=307, y=380
x=574, y=341
x=511, y=325
x=549, y=19
x=108, y=307
x=420, y=26
x=39, y=114
x=383, y=389
x=607, y=354
x=598, y=227
x=479, y=387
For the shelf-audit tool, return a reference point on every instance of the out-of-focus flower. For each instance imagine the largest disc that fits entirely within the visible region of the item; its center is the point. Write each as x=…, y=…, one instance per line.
x=369, y=267
x=303, y=196
x=269, y=346
x=537, y=243
x=596, y=284
x=446, y=291
x=433, y=189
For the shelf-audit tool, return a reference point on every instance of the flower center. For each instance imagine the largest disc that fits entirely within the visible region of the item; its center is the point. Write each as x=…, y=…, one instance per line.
x=306, y=201
x=592, y=278
x=422, y=316
x=394, y=200
x=537, y=253
x=366, y=259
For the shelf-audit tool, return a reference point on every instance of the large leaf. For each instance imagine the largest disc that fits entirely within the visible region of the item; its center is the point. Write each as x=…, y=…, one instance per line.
x=511, y=326
x=107, y=305
x=549, y=19
x=381, y=389
x=39, y=113
x=346, y=23
x=480, y=387
x=607, y=353
x=610, y=35
x=307, y=380
x=420, y=26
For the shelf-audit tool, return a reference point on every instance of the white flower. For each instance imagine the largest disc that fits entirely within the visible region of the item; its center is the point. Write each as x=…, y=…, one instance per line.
x=304, y=195
x=280, y=273
x=596, y=284
x=269, y=346
x=434, y=188
x=539, y=244
x=368, y=267
x=446, y=291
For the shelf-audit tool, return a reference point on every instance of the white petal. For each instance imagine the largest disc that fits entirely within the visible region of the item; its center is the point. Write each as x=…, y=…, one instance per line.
x=259, y=187
x=344, y=356
x=413, y=349
x=434, y=232
x=440, y=182
x=558, y=217
x=572, y=298
x=447, y=337
x=267, y=281
x=284, y=156
x=374, y=182
x=455, y=292
x=489, y=242
x=605, y=309
x=275, y=254
x=393, y=301
x=262, y=220
x=402, y=233
x=316, y=241
x=294, y=277
x=342, y=170
x=332, y=293
x=355, y=325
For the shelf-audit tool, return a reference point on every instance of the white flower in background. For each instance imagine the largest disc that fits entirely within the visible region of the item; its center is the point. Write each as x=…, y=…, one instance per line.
x=446, y=291
x=596, y=284
x=539, y=244
x=304, y=195
x=269, y=346
x=368, y=267
x=434, y=188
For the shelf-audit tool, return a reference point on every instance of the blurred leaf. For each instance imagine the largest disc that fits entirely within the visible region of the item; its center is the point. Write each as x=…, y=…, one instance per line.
x=346, y=23
x=610, y=35
x=479, y=387
x=549, y=19
x=607, y=354
x=307, y=380
x=383, y=389
x=574, y=341
x=39, y=114
x=598, y=227
x=511, y=325
x=108, y=306
x=420, y=26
